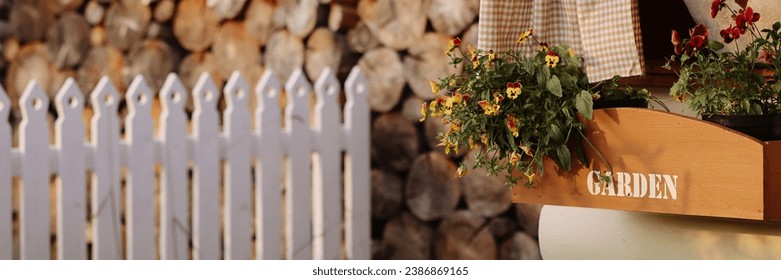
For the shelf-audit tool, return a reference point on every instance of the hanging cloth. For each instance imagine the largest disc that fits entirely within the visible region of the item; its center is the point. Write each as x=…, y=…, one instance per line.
x=606, y=33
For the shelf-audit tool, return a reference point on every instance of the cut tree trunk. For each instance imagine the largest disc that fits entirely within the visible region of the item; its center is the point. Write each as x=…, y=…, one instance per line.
x=164, y=10
x=11, y=48
x=126, y=23
x=233, y=50
x=397, y=24
x=394, y=142
x=259, y=20
x=407, y=238
x=411, y=109
x=502, y=227
x=195, y=26
x=30, y=19
x=452, y=16
x=191, y=68
x=300, y=16
x=361, y=39
x=226, y=9
x=485, y=195
x=432, y=190
x=68, y=40
x=322, y=50
x=94, y=12
x=426, y=61
x=153, y=59
x=5, y=29
x=101, y=61
x=342, y=17
x=97, y=36
x=284, y=54
x=520, y=246
x=464, y=235
x=60, y=6
x=385, y=76
x=32, y=63
x=528, y=217
x=386, y=194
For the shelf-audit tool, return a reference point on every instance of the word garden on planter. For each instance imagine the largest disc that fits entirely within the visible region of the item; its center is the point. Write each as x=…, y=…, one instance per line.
x=298, y=179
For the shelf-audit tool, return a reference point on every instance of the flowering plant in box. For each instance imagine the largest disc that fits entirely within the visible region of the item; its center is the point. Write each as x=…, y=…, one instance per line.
x=516, y=109
x=715, y=79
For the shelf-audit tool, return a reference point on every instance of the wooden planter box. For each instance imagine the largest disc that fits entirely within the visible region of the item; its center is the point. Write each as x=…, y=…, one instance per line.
x=667, y=163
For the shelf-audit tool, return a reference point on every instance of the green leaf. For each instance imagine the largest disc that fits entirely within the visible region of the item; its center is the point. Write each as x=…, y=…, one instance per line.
x=543, y=74
x=776, y=26
x=565, y=162
x=715, y=45
x=554, y=86
x=555, y=133
x=581, y=154
x=584, y=104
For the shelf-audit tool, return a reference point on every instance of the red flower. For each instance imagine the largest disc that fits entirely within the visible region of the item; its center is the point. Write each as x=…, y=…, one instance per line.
x=746, y=18
x=699, y=30
x=695, y=43
x=730, y=34
x=716, y=6
x=676, y=40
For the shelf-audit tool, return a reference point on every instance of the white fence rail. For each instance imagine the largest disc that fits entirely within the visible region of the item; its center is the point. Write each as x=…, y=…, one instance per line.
x=308, y=196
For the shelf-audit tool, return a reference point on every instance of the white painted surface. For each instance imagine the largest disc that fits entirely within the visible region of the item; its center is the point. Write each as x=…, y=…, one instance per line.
x=585, y=233
x=174, y=149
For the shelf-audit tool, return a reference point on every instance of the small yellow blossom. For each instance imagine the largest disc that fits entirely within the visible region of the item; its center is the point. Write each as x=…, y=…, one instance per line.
x=512, y=125
x=434, y=86
x=596, y=96
x=484, y=139
x=526, y=150
x=491, y=56
x=461, y=172
x=452, y=45
x=513, y=90
x=490, y=109
x=552, y=59
x=524, y=36
x=498, y=97
x=475, y=61
x=544, y=47
x=471, y=51
x=680, y=97
x=514, y=158
x=472, y=143
x=571, y=52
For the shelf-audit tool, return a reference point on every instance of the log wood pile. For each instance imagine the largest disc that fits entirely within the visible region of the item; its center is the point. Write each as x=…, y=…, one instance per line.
x=420, y=210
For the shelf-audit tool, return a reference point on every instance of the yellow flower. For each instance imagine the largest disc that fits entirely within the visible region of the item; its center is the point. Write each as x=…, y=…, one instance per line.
x=471, y=51
x=531, y=176
x=552, y=59
x=434, y=86
x=452, y=45
x=512, y=125
x=461, y=172
x=544, y=47
x=571, y=52
x=680, y=97
x=454, y=127
x=524, y=36
x=498, y=97
x=472, y=144
x=513, y=90
x=484, y=139
x=423, y=111
x=596, y=96
x=448, y=146
x=490, y=109
x=514, y=158
x=526, y=149
x=475, y=61
x=491, y=56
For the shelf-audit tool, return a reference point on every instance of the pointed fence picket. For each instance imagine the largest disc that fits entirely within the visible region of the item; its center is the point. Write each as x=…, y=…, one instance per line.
x=209, y=203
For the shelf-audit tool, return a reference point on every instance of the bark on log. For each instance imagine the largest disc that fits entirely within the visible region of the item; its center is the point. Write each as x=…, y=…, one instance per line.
x=426, y=61
x=386, y=194
x=191, y=68
x=126, y=23
x=226, y=9
x=300, y=16
x=342, y=17
x=94, y=12
x=486, y=195
x=464, y=235
x=68, y=40
x=407, y=238
x=385, y=76
x=97, y=36
x=432, y=190
x=451, y=17
x=396, y=23
x=520, y=247
x=5, y=30
x=60, y=6
x=32, y=63
x=195, y=26
x=432, y=127
x=284, y=54
x=361, y=39
x=322, y=50
x=411, y=109
x=502, y=227
x=30, y=19
x=233, y=50
x=164, y=10
x=151, y=58
x=101, y=61
x=394, y=142
x=528, y=217
x=259, y=20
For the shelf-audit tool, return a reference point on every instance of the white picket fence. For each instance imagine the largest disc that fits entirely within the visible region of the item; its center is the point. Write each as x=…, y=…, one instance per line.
x=211, y=214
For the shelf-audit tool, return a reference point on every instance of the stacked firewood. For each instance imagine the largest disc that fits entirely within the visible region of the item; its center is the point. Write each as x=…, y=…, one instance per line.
x=420, y=210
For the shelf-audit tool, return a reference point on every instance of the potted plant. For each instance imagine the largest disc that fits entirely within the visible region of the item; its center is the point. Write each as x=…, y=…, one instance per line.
x=612, y=93
x=516, y=109
x=733, y=85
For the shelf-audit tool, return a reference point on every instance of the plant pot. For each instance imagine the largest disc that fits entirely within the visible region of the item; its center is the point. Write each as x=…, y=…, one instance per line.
x=762, y=127
x=630, y=103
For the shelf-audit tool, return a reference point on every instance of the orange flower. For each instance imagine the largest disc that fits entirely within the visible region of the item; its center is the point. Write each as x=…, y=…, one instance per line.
x=514, y=158
x=524, y=36
x=488, y=108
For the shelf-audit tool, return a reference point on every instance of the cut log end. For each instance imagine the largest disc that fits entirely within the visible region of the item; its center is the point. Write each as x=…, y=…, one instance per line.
x=385, y=76
x=464, y=235
x=520, y=246
x=194, y=25
x=407, y=238
x=386, y=198
x=432, y=189
x=394, y=142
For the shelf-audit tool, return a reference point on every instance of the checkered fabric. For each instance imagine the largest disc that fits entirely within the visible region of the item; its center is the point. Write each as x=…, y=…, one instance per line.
x=606, y=33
